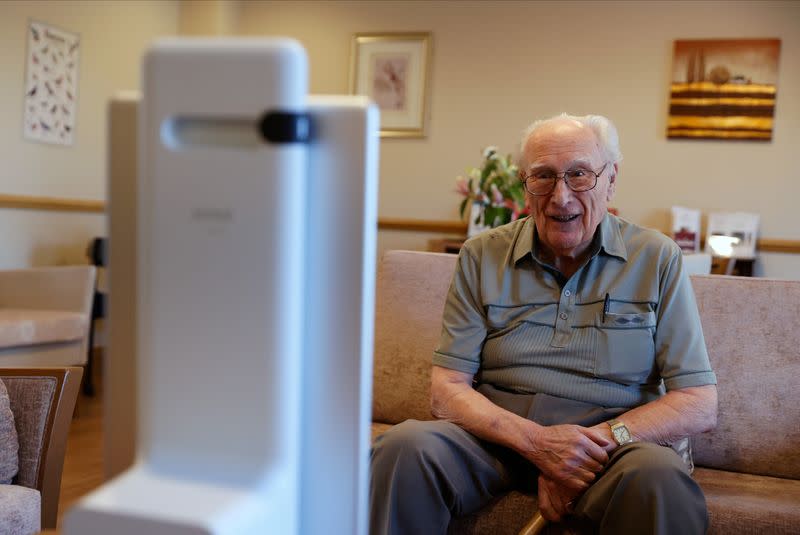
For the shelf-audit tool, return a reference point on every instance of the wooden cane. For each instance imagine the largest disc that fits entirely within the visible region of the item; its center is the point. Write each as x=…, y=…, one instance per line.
x=535, y=526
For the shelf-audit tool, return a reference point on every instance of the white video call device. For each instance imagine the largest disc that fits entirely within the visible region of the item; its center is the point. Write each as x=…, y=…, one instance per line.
x=257, y=228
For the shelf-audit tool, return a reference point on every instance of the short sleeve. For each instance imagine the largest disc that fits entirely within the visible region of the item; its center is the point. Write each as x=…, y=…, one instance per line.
x=681, y=352
x=463, y=320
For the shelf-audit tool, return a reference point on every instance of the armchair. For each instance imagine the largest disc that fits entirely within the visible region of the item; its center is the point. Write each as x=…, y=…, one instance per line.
x=42, y=401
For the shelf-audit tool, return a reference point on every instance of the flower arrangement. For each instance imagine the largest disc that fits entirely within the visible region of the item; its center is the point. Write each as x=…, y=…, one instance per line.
x=495, y=189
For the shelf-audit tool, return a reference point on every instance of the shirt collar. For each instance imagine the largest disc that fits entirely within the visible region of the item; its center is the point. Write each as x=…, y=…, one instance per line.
x=610, y=239
x=524, y=244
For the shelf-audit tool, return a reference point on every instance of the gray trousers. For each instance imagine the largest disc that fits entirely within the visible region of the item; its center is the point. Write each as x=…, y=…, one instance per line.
x=424, y=473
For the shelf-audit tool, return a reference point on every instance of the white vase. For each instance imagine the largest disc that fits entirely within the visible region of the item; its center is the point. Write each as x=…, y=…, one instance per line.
x=476, y=213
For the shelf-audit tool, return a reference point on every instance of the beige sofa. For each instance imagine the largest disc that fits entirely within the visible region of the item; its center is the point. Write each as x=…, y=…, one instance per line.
x=44, y=315
x=748, y=467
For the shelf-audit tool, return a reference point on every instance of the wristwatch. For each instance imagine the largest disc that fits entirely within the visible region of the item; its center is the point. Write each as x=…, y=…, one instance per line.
x=620, y=432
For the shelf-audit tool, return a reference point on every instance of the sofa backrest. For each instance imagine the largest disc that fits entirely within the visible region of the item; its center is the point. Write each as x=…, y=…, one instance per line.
x=753, y=339
x=409, y=300
x=49, y=288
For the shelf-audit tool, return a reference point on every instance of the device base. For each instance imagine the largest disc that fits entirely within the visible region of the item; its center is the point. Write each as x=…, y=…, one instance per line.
x=140, y=501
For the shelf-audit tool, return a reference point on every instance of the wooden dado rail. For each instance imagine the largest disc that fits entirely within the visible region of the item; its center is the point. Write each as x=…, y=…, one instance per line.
x=51, y=203
x=413, y=225
x=767, y=245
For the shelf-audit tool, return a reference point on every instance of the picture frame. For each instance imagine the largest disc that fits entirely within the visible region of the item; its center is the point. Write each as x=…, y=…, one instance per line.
x=51, y=84
x=392, y=69
x=723, y=89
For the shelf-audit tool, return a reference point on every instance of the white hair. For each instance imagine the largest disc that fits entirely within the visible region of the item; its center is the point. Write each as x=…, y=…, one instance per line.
x=602, y=127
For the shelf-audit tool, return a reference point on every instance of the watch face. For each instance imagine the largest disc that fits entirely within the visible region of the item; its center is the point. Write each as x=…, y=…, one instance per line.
x=621, y=434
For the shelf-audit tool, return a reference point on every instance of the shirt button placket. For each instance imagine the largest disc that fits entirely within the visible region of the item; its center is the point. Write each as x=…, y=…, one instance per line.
x=563, y=326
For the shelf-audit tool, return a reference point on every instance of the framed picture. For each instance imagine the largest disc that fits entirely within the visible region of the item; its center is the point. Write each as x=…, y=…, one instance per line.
x=392, y=69
x=723, y=89
x=51, y=84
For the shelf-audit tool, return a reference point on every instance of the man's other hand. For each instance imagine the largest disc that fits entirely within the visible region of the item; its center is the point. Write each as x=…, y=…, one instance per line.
x=570, y=455
x=555, y=500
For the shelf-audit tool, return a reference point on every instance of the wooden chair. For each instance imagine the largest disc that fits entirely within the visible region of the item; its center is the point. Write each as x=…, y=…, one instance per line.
x=97, y=253
x=42, y=400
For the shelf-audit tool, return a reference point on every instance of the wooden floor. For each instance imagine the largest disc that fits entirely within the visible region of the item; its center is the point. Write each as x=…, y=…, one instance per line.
x=83, y=464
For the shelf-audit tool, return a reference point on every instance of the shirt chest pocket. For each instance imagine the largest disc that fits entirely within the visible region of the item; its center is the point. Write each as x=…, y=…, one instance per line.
x=625, y=346
x=501, y=320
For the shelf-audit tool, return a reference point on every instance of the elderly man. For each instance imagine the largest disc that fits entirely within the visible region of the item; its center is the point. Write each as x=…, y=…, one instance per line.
x=571, y=357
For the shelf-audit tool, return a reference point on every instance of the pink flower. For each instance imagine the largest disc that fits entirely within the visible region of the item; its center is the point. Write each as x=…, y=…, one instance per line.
x=461, y=186
x=516, y=211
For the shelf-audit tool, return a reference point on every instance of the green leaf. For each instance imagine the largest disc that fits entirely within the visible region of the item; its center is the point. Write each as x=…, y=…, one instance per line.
x=463, y=207
x=494, y=216
x=518, y=196
x=490, y=214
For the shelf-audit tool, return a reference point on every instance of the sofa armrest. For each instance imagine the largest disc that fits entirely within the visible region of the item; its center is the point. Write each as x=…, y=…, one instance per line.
x=43, y=401
x=49, y=288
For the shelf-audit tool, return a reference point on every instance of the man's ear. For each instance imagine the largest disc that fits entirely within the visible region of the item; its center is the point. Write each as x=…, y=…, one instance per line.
x=612, y=183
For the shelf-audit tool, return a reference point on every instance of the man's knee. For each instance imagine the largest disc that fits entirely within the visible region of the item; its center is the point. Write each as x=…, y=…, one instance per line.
x=411, y=441
x=641, y=488
x=647, y=464
x=655, y=476
x=640, y=469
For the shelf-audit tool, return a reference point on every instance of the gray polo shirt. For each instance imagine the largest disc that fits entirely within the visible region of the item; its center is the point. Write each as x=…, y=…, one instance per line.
x=521, y=326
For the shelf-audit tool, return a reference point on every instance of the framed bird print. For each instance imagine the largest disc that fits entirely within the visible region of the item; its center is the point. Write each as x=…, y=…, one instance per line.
x=51, y=84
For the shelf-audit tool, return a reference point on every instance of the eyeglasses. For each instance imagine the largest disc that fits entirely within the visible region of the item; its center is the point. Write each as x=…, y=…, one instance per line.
x=544, y=182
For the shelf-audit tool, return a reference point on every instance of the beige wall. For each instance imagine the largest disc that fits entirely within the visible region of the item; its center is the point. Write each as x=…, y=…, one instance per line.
x=499, y=65
x=208, y=17
x=496, y=66
x=113, y=36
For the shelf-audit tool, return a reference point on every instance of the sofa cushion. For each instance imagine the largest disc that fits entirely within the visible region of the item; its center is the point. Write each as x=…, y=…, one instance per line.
x=739, y=503
x=20, y=510
x=505, y=516
x=378, y=429
x=750, y=327
x=9, y=443
x=410, y=295
x=24, y=327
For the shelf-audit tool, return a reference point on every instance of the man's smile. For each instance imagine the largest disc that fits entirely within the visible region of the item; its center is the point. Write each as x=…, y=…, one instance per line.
x=564, y=218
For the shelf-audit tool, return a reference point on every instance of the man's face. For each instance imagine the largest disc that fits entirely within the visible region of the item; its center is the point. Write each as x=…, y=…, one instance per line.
x=566, y=220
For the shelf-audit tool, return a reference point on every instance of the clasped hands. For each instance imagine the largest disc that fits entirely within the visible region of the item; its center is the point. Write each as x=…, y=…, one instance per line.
x=569, y=457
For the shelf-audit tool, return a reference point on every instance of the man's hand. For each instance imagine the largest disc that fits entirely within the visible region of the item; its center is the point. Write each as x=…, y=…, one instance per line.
x=570, y=455
x=555, y=501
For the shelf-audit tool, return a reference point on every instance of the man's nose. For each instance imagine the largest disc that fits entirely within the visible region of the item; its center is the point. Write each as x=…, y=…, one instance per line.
x=561, y=193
